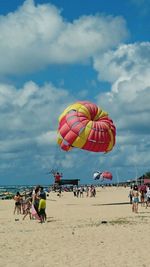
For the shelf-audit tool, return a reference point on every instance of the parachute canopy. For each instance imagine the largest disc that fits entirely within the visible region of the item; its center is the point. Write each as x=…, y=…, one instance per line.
x=85, y=125
x=96, y=175
x=106, y=175
x=102, y=175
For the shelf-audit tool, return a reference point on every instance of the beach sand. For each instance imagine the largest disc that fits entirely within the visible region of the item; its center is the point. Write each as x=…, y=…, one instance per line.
x=81, y=232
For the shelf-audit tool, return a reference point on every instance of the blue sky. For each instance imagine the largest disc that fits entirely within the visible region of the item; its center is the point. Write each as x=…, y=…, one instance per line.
x=56, y=52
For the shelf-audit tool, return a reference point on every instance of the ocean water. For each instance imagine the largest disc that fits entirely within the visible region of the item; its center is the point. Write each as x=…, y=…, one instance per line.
x=13, y=189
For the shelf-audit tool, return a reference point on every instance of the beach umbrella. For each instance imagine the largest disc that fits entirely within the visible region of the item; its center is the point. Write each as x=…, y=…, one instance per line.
x=86, y=126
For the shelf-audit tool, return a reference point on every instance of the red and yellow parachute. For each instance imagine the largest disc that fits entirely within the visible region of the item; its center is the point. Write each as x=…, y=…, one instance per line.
x=84, y=125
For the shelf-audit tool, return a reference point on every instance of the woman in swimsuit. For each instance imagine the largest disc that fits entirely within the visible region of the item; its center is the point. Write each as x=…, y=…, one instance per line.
x=135, y=195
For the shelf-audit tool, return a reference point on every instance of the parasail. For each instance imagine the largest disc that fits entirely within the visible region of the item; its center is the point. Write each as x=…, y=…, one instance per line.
x=96, y=175
x=102, y=175
x=86, y=126
x=106, y=175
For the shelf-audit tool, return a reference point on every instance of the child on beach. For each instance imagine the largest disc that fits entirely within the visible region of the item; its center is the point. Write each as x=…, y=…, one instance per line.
x=28, y=206
x=42, y=207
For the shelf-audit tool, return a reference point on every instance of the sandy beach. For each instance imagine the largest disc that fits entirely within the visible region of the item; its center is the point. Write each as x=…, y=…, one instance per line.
x=83, y=232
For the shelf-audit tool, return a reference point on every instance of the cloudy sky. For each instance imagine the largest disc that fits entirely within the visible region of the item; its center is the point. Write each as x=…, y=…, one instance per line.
x=53, y=53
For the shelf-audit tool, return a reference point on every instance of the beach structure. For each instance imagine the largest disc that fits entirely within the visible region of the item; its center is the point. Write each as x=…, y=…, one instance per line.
x=59, y=181
x=144, y=179
x=69, y=182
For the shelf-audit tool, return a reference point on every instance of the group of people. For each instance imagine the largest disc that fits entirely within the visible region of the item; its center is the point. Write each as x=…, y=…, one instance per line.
x=90, y=191
x=32, y=204
x=139, y=194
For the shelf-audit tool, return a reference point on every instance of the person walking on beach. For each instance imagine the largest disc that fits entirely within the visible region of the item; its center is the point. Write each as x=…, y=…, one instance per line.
x=148, y=197
x=78, y=191
x=17, y=199
x=42, y=192
x=131, y=194
x=28, y=206
x=35, y=198
x=142, y=198
x=135, y=196
x=87, y=190
x=42, y=208
x=81, y=191
x=74, y=191
x=92, y=191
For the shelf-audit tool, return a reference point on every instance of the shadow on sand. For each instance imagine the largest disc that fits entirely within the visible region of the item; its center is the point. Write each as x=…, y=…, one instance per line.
x=112, y=204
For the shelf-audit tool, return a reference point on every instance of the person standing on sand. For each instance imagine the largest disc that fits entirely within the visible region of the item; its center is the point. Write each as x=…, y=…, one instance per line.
x=17, y=199
x=131, y=194
x=148, y=197
x=28, y=207
x=87, y=190
x=36, y=198
x=74, y=191
x=135, y=195
x=42, y=208
x=81, y=191
x=42, y=192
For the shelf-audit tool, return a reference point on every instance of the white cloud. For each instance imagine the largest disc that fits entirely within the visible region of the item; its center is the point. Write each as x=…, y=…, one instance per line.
x=34, y=36
x=28, y=126
x=30, y=112
x=47, y=138
x=124, y=63
x=127, y=69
